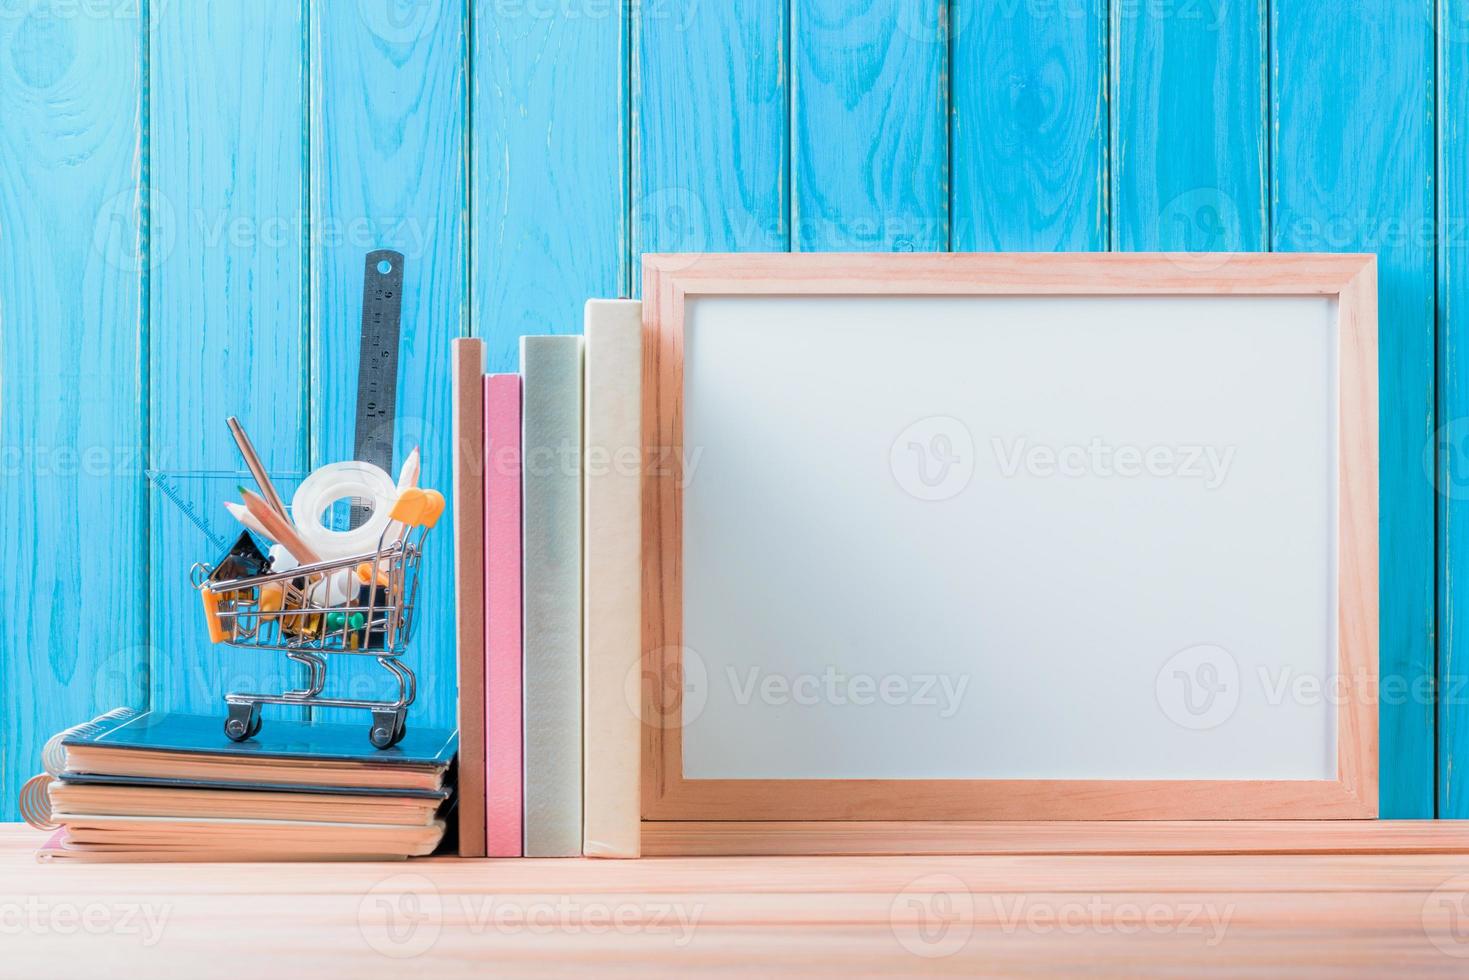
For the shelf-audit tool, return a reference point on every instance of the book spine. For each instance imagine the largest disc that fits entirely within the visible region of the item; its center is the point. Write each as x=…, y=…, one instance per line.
x=551, y=446
x=503, y=826
x=612, y=552
x=469, y=582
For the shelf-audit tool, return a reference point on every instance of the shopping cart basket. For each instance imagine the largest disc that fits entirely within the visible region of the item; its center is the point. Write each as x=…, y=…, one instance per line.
x=357, y=606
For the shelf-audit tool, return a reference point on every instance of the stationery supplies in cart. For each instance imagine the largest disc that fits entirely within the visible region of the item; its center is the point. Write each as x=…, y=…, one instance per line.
x=326, y=591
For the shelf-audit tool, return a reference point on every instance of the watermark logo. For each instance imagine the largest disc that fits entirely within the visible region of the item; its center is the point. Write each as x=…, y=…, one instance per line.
x=1446, y=459
x=933, y=916
x=1207, y=464
x=401, y=916
x=36, y=916
x=672, y=697
x=570, y=916
x=1101, y=915
x=400, y=21
x=932, y=21
x=933, y=459
x=117, y=234
x=1446, y=917
x=835, y=687
x=1449, y=20
x=1198, y=687
x=672, y=220
x=1201, y=227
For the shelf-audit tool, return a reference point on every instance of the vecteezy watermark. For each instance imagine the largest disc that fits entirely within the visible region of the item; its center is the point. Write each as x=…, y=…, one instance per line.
x=1098, y=459
x=1202, y=686
x=933, y=459
x=38, y=917
x=402, y=916
x=400, y=21
x=1105, y=915
x=1445, y=917
x=1199, y=687
x=1446, y=459
x=572, y=915
x=1200, y=229
x=933, y=916
x=835, y=687
x=668, y=688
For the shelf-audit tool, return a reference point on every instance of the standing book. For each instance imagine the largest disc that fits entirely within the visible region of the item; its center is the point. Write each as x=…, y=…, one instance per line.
x=612, y=535
x=551, y=447
x=503, y=813
x=469, y=587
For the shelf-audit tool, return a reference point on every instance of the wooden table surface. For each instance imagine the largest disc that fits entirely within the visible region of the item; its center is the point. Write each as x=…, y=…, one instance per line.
x=1268, y=915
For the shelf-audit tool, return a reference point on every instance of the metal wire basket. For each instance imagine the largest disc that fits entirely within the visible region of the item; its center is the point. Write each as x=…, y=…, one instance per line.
x=361, y=605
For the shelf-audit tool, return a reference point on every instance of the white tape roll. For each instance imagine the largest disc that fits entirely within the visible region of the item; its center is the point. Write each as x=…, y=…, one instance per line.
x=334, y=482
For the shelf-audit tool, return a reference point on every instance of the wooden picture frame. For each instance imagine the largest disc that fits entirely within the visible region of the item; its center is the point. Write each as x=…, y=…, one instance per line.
x=675, y=802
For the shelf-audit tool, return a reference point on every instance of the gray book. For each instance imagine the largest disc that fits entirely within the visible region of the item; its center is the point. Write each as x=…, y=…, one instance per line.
x=551, y=446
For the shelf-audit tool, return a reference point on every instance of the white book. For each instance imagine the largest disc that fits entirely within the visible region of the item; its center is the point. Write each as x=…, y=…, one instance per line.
x=612, y=570
x=551, y=444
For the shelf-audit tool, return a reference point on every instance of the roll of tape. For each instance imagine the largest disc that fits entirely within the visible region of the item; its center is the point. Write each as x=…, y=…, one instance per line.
x=338, y=481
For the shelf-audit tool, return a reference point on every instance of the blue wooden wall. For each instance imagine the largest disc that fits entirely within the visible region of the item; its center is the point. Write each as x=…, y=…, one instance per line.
x=187, y=189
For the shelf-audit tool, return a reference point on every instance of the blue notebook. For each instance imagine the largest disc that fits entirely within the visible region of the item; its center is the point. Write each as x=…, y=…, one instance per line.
x=278, y=739
x=163, y=748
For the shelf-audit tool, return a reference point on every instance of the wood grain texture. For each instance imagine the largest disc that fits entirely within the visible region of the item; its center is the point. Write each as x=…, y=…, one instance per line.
x=870, y=127
x=1449, y=463
x=73, y=440
x=711, y=838
x=388, y=171
x=1188, y=126
x=710, y=148
x=1351, y=171
x=549, y=197
x=672, y=279
x=227, y=327
x=1011, y=915
x=1029, y=126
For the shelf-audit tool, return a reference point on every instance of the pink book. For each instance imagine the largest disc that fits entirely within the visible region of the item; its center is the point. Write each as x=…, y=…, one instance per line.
x=503, y=820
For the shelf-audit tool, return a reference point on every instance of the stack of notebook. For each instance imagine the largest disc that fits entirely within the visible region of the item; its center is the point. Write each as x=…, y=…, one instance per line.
x=150, y=786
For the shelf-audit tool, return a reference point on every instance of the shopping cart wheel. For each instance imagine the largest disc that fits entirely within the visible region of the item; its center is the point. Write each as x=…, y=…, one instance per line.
x=243, y=722
x=385, y=727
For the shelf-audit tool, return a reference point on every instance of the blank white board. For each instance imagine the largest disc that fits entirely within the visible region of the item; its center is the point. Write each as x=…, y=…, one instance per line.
x=1029, y=537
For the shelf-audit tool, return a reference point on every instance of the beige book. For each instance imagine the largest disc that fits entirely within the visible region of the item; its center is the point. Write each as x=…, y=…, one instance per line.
x=611, y=562
x=79, y=799
x=207, y=836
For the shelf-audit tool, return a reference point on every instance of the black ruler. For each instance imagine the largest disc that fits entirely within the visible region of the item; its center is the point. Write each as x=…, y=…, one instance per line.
x=377, y=366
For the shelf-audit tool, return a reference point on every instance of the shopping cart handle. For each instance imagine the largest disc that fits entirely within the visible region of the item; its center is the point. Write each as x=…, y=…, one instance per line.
x=418, y=507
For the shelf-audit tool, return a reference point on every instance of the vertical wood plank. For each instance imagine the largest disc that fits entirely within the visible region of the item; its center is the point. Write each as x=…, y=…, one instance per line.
x=710, y=142
x=870, y=130
x=1189, y=140
x=72, y=430
x=1352, y=170
x=1452, y=442
x=549, y=176
x=388, y=134
x=227, y=105
x=1029, y=125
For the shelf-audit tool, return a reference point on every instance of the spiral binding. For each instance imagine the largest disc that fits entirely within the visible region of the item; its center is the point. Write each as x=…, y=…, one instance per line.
x=35, y=795
x=35, y=802
x=53, y=756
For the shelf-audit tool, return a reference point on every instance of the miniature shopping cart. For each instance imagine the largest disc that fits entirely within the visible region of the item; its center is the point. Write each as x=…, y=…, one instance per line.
x=357, y=606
